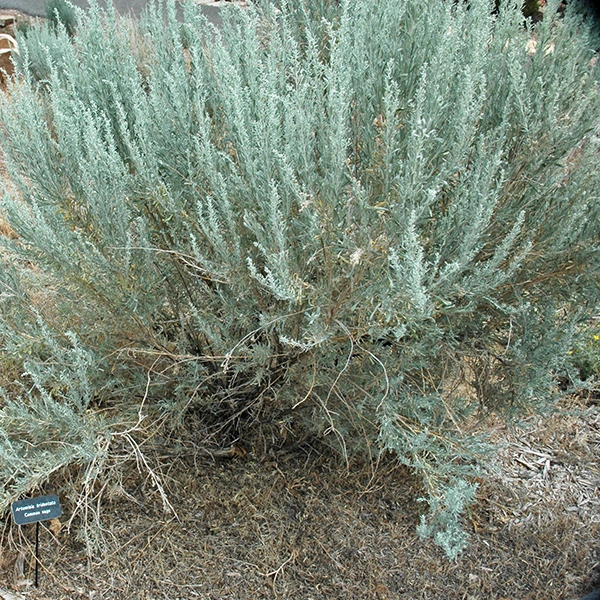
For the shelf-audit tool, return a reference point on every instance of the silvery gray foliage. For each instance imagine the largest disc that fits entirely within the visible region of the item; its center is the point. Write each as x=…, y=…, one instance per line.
x=375, y=217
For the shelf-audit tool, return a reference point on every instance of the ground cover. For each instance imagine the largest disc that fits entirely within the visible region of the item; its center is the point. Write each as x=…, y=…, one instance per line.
x=291, y=521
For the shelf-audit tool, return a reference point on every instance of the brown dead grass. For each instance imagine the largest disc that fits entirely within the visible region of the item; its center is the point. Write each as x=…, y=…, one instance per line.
x=292, y=522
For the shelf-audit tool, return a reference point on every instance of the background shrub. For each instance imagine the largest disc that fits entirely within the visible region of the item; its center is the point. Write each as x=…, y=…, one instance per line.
x=61, y=13
x=531, y=8
x=587, y=355
x=372, y=220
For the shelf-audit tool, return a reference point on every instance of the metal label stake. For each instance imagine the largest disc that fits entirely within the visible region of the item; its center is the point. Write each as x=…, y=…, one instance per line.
x=37, y=553
x=34, y=510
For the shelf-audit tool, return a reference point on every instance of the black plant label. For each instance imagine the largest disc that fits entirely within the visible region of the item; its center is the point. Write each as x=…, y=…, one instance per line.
x=32, y=510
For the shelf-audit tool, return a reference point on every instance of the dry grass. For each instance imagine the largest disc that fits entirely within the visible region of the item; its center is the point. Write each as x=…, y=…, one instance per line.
x=292, y=523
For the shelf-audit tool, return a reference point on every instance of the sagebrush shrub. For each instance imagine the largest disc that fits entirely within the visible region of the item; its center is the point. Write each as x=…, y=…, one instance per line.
x=374, y=218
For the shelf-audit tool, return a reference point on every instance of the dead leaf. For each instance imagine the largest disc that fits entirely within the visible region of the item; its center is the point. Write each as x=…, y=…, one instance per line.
x=20, y=566
x=55, y=526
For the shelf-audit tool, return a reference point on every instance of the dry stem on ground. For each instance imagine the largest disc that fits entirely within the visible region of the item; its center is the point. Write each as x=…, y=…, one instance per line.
x=292, y=523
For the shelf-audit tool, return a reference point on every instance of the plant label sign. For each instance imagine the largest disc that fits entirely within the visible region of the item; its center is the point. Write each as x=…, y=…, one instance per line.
x=32, y=510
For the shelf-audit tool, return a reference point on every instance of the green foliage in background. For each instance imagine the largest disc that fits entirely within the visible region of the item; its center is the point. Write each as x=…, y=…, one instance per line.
x=530, y=7
x=586, y=355
x=61, y=13
x=372, y=219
